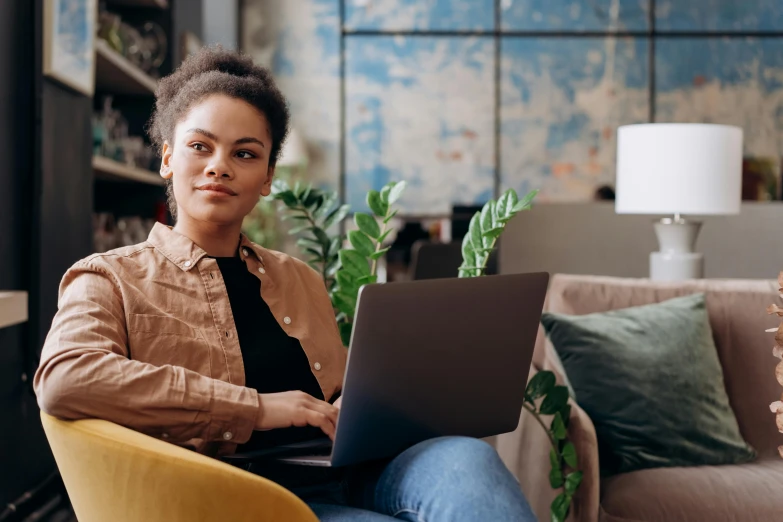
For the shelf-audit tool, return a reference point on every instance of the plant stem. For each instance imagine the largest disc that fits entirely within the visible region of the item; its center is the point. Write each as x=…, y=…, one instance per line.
x=378, y=246
x=323, y=262
x=548, y=433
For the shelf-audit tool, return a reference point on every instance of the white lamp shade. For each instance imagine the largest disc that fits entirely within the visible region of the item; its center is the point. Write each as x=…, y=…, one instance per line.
x=294, y=153
x=668, y=168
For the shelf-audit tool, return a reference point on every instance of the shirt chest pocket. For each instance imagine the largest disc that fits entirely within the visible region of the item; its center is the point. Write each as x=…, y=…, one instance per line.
x=162, y=340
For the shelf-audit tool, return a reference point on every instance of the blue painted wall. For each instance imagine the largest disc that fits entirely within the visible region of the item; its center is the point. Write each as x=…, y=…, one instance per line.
x=421, y=107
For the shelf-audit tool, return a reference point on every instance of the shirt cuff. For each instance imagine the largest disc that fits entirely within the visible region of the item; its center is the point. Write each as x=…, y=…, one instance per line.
x=233, y=411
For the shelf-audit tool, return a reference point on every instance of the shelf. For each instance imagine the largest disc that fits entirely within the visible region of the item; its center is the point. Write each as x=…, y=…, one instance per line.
x=111, y=170
x=116, y=74
x=13, y=308
x=158, y=4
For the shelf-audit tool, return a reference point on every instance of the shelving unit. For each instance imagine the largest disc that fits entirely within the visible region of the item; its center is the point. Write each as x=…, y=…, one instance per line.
x=111, y=170
x=13, y=308
x=115, y=73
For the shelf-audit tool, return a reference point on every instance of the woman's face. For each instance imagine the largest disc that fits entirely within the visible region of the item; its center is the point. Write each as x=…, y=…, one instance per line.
x=219, y=160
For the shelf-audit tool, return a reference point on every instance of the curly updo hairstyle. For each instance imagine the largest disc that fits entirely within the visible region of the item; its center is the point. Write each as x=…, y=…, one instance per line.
x=214, y=70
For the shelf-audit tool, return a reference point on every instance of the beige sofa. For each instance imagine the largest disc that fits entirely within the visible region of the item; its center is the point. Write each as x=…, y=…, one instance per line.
x=747, y=493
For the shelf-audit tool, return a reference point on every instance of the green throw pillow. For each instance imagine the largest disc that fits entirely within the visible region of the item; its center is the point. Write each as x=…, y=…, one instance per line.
x=650, y=380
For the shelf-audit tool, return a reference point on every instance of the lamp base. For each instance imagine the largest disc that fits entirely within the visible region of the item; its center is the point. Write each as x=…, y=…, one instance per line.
x=671, y=266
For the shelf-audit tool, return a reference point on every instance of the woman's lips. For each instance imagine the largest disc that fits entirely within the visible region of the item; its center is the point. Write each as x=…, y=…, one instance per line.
x=216, y=189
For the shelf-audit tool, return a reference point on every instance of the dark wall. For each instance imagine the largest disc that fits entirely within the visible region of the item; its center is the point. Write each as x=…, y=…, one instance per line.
x=24, y=455
x=45, y=225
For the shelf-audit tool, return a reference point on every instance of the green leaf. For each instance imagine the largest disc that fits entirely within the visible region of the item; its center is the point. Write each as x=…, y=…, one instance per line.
x=395, y=192
x=379, y=254
x=336, y=216
x=354, y=262
x=383, y=236
x=572, y=482
x=487, y=221
x=385, y=193
x=345, y=333
x=333, y=269
x=559, y=507
x=565, y=414
x=468, y=253
x=367, y=224
x=318, y=255
x=378, y=207
x=555, y=476
x=322, y=237
x=299, y=228
x=306, y=193
x=361, y=242
x=346, y=281
x=314, y=199
x=557, y=427
x=298, y=188
x=555, y=400
x=474, y=231
x=541, y=384
x=334, y=246
x=344, y=302
x=389, y=217
x=288, y=198
x=367, y=280
x=494, y=233
x=306, y=242
x=569, y=454
x=554, y=461
x=501, y=205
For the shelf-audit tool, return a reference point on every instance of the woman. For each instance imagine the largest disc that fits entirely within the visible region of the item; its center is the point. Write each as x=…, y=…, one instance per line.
x=201, y=338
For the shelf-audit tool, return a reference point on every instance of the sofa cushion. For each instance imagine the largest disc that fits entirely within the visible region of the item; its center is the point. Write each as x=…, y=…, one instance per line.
x=650, y=380
x=746, y=492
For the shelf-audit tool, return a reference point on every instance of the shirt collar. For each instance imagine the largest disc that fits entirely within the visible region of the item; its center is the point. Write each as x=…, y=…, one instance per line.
x=184, y=253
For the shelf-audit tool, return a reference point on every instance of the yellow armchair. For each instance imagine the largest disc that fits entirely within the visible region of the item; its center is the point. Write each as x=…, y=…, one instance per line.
x=114, y=473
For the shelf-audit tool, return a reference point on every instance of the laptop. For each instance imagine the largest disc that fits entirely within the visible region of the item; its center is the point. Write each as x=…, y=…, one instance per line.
x=429, y=359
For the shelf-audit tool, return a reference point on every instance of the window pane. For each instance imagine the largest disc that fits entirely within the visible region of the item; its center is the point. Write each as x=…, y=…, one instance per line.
x=420, y=109
x=735, y=81
x=719, y=15
x=407, y=15
x=573, y=15
x=562, y=101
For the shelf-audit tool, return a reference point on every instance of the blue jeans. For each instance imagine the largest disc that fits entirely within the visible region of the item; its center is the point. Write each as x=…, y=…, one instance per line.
x=450, y=479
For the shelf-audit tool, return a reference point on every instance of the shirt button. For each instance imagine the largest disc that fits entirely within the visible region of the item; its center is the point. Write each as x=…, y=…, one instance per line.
x=244, y=251
x=228, y=435
x=188, y=263
x=317, y=366
x=261, y=269
x=287, y=320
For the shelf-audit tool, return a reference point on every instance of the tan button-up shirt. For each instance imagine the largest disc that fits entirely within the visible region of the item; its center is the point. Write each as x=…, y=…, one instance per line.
x=144, y=337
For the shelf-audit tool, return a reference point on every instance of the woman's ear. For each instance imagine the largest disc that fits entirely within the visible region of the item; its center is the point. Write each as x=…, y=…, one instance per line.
x=165, y=164
x=266, y=188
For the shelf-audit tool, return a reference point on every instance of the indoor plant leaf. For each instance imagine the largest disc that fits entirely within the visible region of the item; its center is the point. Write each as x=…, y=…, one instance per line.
x=306, y=242
x=299, y=228
x=345, y=303
x=557, y=427
x=555, y=476
x=383, y=236
x=322, y=237
x=572, y=482
x=540, y=384
x=559, y=507
x=367, y=224
x=493, y=233
x=395, y=192
x=569, y=454
x=361, y=242
x=554, y=401
x=345, y=280
x=345, y=333
x=390, y=217
x=385, y=193
x=336, y=215
x=354, y=262
x=366, y=280
x=378, y=207
x=379, y=254
x=288, y=198
x=474, y=231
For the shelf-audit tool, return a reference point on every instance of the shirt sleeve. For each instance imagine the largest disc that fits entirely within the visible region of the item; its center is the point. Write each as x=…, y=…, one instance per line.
x=85, y=372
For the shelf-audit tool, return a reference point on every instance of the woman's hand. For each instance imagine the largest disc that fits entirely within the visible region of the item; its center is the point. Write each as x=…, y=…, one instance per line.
x=295, y=408
x=338, y=402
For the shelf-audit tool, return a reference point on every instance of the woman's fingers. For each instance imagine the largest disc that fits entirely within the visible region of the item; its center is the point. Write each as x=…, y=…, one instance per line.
x=322, y=421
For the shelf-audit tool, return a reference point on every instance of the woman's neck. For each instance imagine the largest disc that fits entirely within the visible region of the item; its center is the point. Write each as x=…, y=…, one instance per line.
x=217, y=240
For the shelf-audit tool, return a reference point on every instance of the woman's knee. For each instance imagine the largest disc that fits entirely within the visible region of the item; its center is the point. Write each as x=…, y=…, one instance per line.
x=454, y=452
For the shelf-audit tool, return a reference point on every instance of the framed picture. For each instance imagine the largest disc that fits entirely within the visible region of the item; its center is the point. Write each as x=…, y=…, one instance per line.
x=69, y=43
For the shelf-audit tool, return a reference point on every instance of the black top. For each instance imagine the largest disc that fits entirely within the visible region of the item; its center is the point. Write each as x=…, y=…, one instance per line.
x=274, y=362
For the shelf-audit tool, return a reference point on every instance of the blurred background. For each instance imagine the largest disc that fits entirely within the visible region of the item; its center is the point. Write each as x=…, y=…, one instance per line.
x=462, y=99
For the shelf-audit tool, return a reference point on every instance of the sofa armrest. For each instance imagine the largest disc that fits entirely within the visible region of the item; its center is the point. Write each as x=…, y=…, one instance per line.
x=525, y=451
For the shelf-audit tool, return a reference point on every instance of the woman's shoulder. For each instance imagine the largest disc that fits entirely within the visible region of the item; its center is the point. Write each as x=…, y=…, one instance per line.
x=112, y=259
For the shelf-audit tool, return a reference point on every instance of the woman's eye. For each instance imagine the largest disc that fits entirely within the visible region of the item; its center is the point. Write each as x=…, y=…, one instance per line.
x=198, y=146
x=247, y=154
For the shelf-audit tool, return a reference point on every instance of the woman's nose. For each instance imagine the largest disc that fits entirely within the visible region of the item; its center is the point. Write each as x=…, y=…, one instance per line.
x=220, y=169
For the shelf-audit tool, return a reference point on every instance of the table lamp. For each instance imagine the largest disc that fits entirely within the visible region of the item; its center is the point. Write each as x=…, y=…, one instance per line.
x=676, y=169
